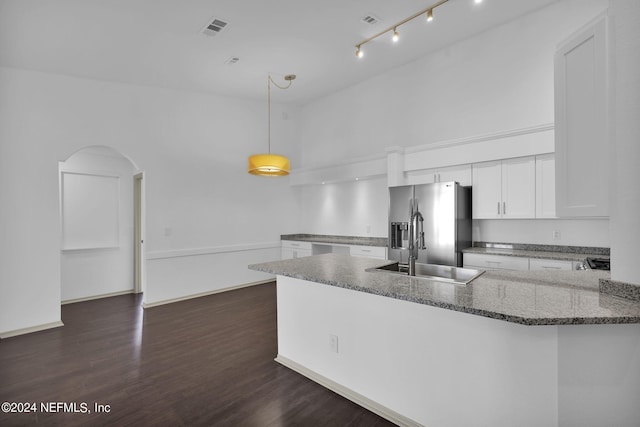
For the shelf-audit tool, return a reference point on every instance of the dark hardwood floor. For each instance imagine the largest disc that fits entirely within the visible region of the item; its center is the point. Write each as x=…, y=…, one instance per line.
x=202, y=362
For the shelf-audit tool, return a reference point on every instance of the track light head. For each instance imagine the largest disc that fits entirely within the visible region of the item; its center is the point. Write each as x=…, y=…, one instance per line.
x=394, y=28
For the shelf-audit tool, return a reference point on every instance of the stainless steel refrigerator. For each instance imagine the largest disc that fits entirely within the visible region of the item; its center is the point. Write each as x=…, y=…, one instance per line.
x=445, y=220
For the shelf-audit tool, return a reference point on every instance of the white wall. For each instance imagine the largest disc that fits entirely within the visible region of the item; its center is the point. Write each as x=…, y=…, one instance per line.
x=582, y=232
x=496, y=81
x=422, y=362
x=444, y=368
x=500, y=80
x=100, y=271
x=625, y=195
x=355, y=208
x=599, y=375
x=30, y=242
x=193, y=148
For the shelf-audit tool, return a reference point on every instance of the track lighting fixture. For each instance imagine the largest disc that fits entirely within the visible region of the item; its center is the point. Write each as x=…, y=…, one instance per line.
x=395, y=37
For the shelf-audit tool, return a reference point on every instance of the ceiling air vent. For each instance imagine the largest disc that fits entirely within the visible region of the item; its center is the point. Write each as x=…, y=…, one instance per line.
x=214, y=27
x=370, y=19
x=232, y=60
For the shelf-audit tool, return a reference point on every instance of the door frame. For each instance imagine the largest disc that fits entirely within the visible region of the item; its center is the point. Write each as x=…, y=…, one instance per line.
x=139, y=227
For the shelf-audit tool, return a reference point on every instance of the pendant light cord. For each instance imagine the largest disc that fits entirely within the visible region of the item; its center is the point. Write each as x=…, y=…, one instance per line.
x=269, y=108
x=289, y=78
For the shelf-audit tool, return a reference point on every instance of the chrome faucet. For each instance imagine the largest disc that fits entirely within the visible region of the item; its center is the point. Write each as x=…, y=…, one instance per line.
x=416, y=236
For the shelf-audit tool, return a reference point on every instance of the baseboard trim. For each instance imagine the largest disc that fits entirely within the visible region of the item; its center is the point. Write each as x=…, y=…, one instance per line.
x=31, y=329
x=347, y=393
x=111, y=294
x=204, y=294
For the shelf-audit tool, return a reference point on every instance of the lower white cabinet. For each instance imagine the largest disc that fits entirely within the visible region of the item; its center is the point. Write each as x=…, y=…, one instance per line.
x=293, y=249
x=505, y=262
x=549, y=264
x=297, y=249
x=368, y=251
x=495, y=262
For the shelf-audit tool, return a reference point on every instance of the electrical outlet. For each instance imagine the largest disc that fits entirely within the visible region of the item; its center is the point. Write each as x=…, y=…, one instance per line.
x=333, y=343
x=557, y=235
x=368, y=229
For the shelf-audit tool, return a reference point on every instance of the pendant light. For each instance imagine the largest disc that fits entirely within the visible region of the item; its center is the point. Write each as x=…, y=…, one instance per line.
x=270, y=164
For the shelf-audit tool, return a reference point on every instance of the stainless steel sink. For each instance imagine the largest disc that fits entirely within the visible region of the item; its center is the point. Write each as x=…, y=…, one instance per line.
x=461, y=276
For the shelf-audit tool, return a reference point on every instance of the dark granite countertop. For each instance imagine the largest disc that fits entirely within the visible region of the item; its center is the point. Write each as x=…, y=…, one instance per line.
x=524, y=297
x=561, y=253
x=340, y=240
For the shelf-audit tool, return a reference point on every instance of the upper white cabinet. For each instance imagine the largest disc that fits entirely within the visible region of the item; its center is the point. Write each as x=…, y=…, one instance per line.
x=581, y=124
x=487, y=190
x=504, y=189
x=519, y=188
x=458, y=173
x=545, y=186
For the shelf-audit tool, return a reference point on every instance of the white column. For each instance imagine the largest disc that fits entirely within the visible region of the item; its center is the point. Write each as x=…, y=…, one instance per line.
x=624, y=111
x=395, y=166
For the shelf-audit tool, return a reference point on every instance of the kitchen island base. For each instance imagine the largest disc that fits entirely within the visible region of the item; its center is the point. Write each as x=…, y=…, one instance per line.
x=422, y=365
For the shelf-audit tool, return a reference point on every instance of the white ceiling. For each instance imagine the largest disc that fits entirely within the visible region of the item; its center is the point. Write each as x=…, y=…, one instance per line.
x=158, y=42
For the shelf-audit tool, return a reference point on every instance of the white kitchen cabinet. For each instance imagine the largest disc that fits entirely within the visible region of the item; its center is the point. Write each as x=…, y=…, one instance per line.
x=519, y=188
x=581, y=132
x=549, y=264
x=504, y=189
x=318, y=248
x=495, y=262
x=505, y=262
x=294, y=249
x=546, y=186
x=487, y=190
x=298, y=249
x=377, y=252
x=458, y=173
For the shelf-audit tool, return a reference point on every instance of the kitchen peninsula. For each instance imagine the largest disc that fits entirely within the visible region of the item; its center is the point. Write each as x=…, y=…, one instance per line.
x=510, y=348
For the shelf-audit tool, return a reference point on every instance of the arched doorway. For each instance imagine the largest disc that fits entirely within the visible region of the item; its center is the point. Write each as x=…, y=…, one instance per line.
x=102, y=225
